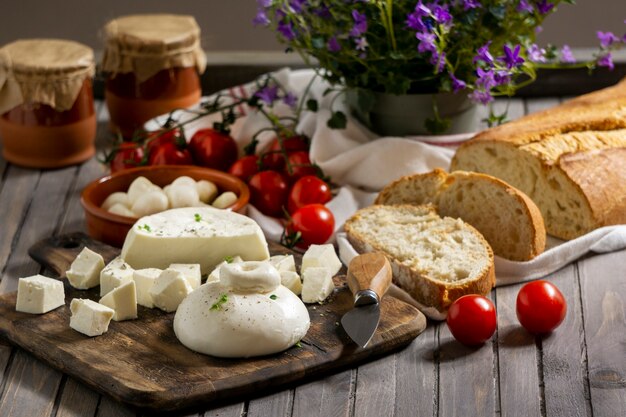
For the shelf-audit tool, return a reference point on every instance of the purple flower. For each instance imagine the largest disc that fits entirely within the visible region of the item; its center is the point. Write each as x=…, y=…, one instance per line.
x=524, y=6
x=261, y=18
x=535, y=53
x=268, y=95
x=322, y=11
x=483, y=54
x=544, y=7
x=427, y=42
x=438, y=60
x=457, y=85
x=511, y=57
x=414, y=20
x=361, y=43
x=606, y=60
x=486, y=78
x=482, y=97
x=441, y=14
x=471, y=4
x=606, y=38
x=501, y=77
x=333, y=44
x=538, y=30
x=264, y=3
x=360, y=24
x=290, y=99
x=297, y=5
x=286, y=29
x=566, y=55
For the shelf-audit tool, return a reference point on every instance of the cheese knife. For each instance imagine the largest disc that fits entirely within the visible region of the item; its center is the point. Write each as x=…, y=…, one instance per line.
x=369, y=278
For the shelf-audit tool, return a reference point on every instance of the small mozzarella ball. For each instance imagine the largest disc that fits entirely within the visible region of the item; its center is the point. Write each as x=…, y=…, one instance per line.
x=206, y=190
x=139, y=186
x=225, y=200
x=115, y=198
x=121, y=210
x=150, y=203
x=184, y=180
x=182, y=196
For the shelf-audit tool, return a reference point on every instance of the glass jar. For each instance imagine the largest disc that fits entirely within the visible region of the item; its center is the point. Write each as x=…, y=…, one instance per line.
x=47, y=110
x=150, y=72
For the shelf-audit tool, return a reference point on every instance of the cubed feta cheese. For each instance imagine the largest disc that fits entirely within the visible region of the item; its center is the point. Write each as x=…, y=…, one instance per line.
x=144, y=280
x=283, y=262
x=321, y=255
x=291, y=280
x=191, y=272
x=123, y=300
x=89, y=317
x=317, y=284
x=38, y=294
x=116, y=273
x=84, y=273
x=169, y=290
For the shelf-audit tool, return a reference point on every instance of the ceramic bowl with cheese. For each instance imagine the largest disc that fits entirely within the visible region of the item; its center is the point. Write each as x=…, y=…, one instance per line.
x=112, y=227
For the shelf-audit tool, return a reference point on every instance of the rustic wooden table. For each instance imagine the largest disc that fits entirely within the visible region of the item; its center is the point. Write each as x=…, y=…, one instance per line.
x=579, y=370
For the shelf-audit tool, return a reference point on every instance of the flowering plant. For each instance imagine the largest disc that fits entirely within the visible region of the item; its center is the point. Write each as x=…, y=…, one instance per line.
x=483, y=48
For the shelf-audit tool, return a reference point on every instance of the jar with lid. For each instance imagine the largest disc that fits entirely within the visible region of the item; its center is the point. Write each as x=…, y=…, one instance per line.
x=47, y=117
x=152, y=65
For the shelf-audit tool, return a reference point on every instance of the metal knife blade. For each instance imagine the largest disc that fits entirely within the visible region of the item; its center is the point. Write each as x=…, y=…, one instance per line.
x=369, y=277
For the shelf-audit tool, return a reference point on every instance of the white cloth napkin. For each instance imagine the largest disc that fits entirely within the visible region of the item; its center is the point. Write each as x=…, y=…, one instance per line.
x=362, y=164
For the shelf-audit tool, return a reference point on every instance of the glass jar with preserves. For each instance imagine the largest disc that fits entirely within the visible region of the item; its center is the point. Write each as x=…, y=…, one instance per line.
x=47, y=117
x=152, y=65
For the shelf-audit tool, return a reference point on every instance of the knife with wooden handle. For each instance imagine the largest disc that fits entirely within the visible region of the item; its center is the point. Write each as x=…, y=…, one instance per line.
x=369, y=278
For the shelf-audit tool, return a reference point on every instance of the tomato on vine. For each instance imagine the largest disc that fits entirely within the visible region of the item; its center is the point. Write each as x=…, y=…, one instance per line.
x=245, y=167
x=268, y=192
x=213, y=149
x=312, y=224
x=308, y=190
x=126, y=155
x=169, y=153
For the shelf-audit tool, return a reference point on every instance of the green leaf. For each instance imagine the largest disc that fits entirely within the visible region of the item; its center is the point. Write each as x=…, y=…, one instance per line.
x=311, y=105
x=437, y=126
x=220, y=301
x=273, y=297
x=337, y=121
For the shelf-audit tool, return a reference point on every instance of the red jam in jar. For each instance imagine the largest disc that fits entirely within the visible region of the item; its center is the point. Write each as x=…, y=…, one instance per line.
x=150, y=72
x=48, y=118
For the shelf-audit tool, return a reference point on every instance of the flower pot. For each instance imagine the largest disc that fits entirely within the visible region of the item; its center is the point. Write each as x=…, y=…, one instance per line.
x=406, y=115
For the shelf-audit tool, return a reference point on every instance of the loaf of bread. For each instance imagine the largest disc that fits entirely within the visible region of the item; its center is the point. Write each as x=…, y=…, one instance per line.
x=436, y=260
x=570, y=160
x=506, y=217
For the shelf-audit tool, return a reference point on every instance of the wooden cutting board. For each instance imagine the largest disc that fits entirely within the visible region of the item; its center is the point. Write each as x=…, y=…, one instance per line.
x=140, y=362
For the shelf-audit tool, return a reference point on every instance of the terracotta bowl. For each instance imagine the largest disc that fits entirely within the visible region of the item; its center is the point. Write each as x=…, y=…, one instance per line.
x=112, y=228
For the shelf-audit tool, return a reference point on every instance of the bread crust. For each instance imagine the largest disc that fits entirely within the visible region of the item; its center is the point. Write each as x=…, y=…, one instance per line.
x=583, y=141
x=442, y=180
x=426, y=290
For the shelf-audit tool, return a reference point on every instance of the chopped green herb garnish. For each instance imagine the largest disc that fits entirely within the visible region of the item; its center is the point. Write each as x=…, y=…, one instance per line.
x=145, y=227
x=273, y=296
x=218, y=305
x=298, y=344
x=228, y=259
x=197, y=217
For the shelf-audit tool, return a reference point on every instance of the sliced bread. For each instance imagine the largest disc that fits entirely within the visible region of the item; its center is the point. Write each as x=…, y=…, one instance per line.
x=436, y=260
x=506, y=217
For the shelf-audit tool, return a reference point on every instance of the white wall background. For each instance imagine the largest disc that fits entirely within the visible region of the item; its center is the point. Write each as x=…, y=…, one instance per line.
x=226, y=24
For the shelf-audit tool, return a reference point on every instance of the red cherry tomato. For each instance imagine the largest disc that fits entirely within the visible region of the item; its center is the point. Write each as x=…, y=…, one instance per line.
x=268, y=192
x=472, y=319
x=170, y=154
x=540, y=307
x=160, y=137
x=308, y=190
x=274, y=159
x=213, y=149
x=127, y=155
x=244, y=168
x=315, y=223
x=300, y=165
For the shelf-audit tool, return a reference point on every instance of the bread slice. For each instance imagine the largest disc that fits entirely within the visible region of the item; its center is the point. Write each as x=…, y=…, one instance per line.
x=570, y=160
x=506, y=217
x=436, y=260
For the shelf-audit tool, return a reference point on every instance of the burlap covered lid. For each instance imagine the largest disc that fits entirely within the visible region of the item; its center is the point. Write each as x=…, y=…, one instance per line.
x=147, y=44
x=47, y=71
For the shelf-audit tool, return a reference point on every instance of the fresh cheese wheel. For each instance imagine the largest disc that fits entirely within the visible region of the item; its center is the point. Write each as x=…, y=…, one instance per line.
x=202, y=235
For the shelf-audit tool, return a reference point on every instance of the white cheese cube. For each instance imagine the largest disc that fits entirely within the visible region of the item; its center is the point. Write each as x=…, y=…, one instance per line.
x=317, y=284
x=291, y=280
x=202, y=235
x=169, y=290
x=116, y=273
x=89, y=317
x=191, y=272
x=123, y=300
x=215, y=274
x=144, y=280
x=84, y=273
x=283, y=262
x=321, y=255
x=38, y=294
